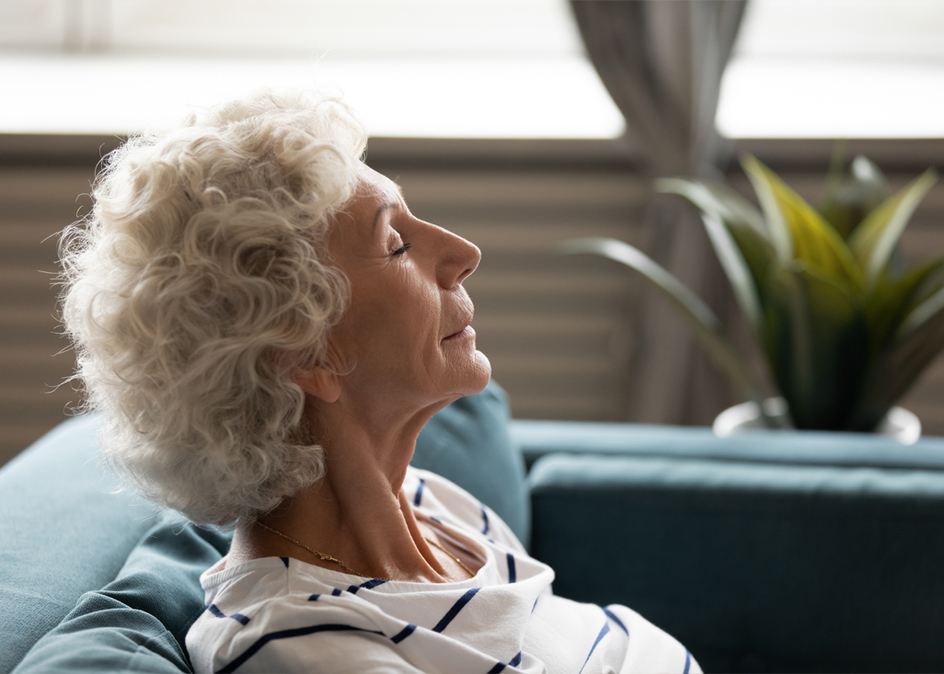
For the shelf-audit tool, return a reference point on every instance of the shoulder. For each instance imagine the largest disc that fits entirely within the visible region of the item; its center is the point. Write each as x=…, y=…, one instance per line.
x=263, y=619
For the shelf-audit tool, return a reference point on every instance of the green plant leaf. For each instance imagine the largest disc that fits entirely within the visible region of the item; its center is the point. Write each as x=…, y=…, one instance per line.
x=817, y=345
x=918, y=341
x=851, y=194
x=926, y=312
x=797, y=229
x=890, y=301
x=787, y=340
x=743, y=221
x=701, y=319
x=718, y=200
x=736, y=269
x=874, y=240
x=929, y=278
x=777, y=228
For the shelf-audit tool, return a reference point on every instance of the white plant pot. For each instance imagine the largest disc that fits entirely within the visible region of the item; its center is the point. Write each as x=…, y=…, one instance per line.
x=899, y=423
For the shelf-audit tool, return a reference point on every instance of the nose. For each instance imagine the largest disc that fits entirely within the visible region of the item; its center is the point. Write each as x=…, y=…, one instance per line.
x=457, y=259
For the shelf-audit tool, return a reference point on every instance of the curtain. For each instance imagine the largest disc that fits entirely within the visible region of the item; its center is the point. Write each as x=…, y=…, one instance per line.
x=662, y=61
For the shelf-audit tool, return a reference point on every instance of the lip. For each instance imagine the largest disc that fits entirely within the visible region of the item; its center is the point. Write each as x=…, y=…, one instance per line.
x=465, y=331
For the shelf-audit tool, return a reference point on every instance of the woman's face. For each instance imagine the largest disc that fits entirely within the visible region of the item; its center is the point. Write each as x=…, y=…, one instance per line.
x=405, y=337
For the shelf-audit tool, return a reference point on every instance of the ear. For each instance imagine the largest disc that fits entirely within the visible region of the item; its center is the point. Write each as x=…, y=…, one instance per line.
x=321, y=382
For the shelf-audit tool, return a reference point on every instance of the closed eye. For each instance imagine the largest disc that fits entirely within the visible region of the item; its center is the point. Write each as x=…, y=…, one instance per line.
x=401, y=250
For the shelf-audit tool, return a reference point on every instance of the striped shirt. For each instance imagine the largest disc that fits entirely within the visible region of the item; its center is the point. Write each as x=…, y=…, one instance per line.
x=279, y=614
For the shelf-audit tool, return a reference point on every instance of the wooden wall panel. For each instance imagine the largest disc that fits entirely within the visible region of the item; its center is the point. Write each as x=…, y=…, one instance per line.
x=35, y=204
x=558, y=330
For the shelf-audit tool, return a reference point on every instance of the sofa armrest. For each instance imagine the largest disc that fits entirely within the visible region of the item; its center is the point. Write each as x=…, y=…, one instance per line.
x=753, y=566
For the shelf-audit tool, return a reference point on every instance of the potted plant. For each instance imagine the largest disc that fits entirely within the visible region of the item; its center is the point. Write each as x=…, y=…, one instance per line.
x=844, y=330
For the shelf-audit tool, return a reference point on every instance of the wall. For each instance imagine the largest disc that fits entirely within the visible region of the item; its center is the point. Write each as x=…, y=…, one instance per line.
x=558, y=330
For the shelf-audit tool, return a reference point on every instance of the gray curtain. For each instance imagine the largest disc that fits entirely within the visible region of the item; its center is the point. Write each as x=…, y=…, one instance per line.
x=662, y=61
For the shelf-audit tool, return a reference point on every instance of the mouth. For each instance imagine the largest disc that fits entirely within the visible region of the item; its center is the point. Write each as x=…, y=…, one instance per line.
x=465, y=330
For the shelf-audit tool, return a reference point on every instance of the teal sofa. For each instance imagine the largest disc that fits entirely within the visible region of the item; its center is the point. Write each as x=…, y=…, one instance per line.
x=764, y=552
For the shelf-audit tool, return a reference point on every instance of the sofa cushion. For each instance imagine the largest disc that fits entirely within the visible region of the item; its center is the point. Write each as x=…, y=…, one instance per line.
x=64, y=531
x=138, y=622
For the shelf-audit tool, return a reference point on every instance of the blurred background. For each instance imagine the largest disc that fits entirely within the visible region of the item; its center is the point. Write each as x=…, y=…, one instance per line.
x=498, y=119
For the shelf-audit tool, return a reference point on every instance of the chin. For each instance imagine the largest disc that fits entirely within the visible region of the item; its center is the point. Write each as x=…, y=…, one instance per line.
x=480, y=375
x=475, y=379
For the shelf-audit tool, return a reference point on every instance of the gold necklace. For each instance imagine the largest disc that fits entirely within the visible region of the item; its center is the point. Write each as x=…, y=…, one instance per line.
x=458, y=561
x=325, y=557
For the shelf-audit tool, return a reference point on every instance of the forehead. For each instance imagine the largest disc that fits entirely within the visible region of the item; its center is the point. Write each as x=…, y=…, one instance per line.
x=374, y=194
x=375, y=185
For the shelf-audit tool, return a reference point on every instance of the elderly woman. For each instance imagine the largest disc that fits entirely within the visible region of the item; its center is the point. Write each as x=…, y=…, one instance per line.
x=267, y=327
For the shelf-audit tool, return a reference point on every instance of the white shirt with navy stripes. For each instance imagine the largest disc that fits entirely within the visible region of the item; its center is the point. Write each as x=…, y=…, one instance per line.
x=280, y=614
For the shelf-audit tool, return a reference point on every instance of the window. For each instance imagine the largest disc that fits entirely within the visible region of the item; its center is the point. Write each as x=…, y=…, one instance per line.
x=457, y=68
x=836, y=68
x=462, y=68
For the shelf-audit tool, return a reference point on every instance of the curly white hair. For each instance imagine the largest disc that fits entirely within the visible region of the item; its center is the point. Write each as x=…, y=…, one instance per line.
x=198, y=284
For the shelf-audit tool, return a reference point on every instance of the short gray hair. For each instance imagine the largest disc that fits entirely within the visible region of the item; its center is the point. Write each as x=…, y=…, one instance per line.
x=195, y=288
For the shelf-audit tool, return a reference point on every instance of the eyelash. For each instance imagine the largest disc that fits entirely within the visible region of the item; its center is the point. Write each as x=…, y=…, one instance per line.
x=401, y=250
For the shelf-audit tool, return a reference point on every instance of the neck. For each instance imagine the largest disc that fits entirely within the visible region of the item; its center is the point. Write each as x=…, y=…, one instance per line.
x=356, y=513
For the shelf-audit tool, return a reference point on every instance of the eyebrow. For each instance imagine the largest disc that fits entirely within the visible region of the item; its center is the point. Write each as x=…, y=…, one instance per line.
x=386, y=206
x=383, y=207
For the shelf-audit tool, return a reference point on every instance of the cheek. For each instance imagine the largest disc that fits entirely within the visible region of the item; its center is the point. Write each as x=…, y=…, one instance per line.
x=402, y=321
x=419, y=318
